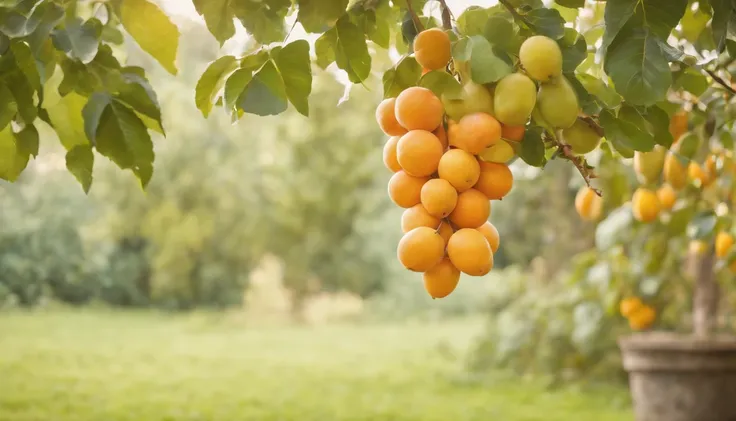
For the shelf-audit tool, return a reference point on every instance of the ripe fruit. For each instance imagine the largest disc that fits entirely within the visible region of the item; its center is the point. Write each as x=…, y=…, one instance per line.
x=648, y=165
x=491, y=233
x=495, y=180
x=695, y=172
x=558, y=103
x=630, y=305
x=541, y=58
x=642, y=318
x=472, y=209
x=441, y=134
x=459, y=168
x=667, y=196
x=513, y=133
x=432, y=48
x=417, y=216
x=674, y=172
x=470, y=252
x=581, y=137
x=419, y=152
x=445, y=231
x=588, y=204
x=387, y=119
x=645, y=205
x=389, y=154
x=514, y=99
x=475, y=132
x=405, y=190
x=438, y=197
x=418, y=108
x=678, y=125
x=500, y=152
x=477, y=98
x=442, y=279
x=420, y=249
x=724, y=242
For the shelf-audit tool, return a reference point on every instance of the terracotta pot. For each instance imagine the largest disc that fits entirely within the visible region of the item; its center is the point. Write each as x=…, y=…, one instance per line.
x=681, y=378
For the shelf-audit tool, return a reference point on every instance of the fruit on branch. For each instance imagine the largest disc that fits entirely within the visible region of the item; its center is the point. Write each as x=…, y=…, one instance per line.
x=642, y=318
x=442, y=279
x=416, y=216
x=645, y=205
x=678, y=125
x=446, y=231
x=558, y=103
x=454, y=108
x=419, y=153
x=674, y=171
x=581, y=137
x=470, y=252
x=478, y=99
x=386, y=118
x=441, y=134
x=438, y=197
x=514, y=99
x=418, y=108
x=432, y=48
x=475, y=132
x=513, y=133
x=459, y=168
x=491, y=233
x=389, y=154
x=696, y=173
x=541, y=57
x=628, y=306
x=405, y=190
x=588, y=204
x=472, y=209
x=667, y=197
x=724, y=242
x=420, y=249
x=648, y=165
x=495, y=181
x=500, y=152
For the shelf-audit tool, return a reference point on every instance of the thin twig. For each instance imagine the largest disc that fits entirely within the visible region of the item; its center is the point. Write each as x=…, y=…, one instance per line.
x=585, y=170
x=720, y=81
x=446, y=15
x=514, y=13
x=417, y=22
x=592, y=124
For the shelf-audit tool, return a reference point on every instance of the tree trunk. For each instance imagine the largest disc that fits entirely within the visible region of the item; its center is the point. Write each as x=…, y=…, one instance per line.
x=705, y=300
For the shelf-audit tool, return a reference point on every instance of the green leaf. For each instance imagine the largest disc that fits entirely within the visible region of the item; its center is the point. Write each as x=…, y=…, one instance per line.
x=502, y=33
x=92, y=113
x=693, y=23
x=406, y=73
x=254, y=61
x=638, y=67
x=49, y=14
x=294, y=65
x=472, y=21
x=263, y=19
x=234, y=87
x=16, y=25
x=532, y=147
x=152, y=30
x=135, y=91
x=66, y=116
x=318, y=16
x=617, y=14
x=625, y=135
x=144, y=173
x=122, y=137
x=702, y=225
x=27, y=140
x=79, y=162
x=380, y=32
x=660, y=123
x=486, y=63
x=587, y=102
x=547, y=22
x=688, y=145
x=8, y=106
x=571, y=3
x=79, y=39
x=12, y=159
x=347, y=44
x=594, y=85
x=692, y=81
x=724, y=14
x=574, y=50
x=441, y=83
x=726, y=140
x=218, y=17
x=26, y=64
x=680, y=217
x=211, y=82
x=265, y=94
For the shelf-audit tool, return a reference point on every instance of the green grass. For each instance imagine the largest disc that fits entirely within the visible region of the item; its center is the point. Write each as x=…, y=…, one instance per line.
x=108, y=366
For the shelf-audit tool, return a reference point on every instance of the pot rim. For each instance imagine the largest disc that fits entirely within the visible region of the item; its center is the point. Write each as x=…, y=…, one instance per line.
x=670, y=341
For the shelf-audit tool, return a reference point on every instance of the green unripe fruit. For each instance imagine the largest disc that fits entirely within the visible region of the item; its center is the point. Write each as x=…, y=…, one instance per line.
x=648, y=165
x=478, y=99
x=541, y=58
x=558, y=103
x=581, y=137
x=454, y=108
x=514, y=99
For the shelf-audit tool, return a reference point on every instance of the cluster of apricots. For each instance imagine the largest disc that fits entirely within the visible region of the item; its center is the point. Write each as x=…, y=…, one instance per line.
x=441, y=178
x=639, y=315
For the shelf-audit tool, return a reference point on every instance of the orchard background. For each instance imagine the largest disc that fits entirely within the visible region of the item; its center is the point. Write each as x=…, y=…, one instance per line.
x=245, y=267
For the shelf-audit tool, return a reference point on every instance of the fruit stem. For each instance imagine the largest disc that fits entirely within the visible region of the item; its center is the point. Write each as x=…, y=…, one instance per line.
x=417, y=22
x=514, y=13
x=585, y=170
x=446, y=15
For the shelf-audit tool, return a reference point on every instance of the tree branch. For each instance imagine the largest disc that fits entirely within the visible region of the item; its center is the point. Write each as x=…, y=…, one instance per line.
x=585, y=170
x=417, y=22
x=720, y=81
x=446, y=15
x=514, y=13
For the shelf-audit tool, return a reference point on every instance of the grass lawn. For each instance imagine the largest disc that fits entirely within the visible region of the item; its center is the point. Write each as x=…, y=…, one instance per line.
x=115, y=366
